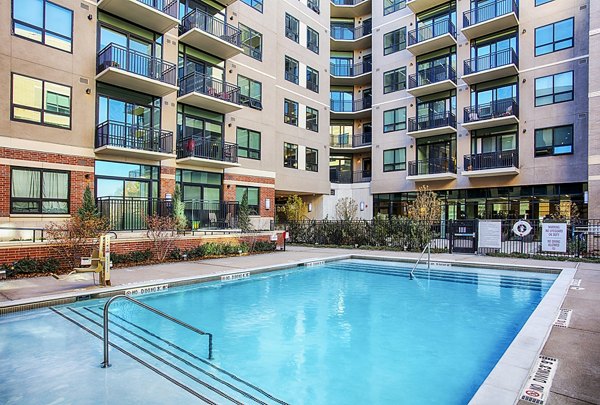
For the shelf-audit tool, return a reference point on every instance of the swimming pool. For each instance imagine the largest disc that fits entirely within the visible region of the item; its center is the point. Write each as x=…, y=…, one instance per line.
x=351, y=331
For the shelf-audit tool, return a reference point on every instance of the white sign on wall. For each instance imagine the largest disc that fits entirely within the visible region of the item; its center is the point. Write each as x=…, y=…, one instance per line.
x=490, y=234
x=554, y=237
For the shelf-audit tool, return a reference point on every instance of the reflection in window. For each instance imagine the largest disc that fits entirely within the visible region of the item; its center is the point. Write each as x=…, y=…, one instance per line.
x=312, y=160
x=251, y=42
x=554, y=89
x=554, y=37
x=41, y=102
x=36, y=191
x=290, y=155
x=394, y=160
x=554, y=141
x=312, y=119
x=43, y=21
x=252, y=195
x=248, y=143
x=290, y=112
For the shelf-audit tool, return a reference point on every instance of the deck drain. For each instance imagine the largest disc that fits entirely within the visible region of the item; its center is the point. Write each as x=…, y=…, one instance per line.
x=563, y=319
x=538, y=385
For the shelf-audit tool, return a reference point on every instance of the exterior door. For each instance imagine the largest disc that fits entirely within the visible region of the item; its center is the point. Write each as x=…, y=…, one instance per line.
x=463, y=236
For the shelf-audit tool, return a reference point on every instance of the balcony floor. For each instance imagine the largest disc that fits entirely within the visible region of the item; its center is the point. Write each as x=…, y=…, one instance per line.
x=432, y=177
x=133, y=153
x=431, y=132
x=492, y=25
x=491, y=74
x=208, y=103
x=432, y=88
x=140, y=13
x=210, y=43
x=433, y=44
x=501, y=171
x=350, y=80
x=132, y=81
x=363, y=42
x=358, y=10
x=204, y=162
x=490, y=123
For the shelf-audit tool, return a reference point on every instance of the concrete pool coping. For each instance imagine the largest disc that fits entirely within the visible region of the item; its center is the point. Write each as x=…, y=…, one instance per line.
x=502, y=386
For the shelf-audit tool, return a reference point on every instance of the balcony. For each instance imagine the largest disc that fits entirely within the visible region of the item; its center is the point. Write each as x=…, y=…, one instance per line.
x=496, y=65
x=345, y=177
x=432, y=124
x=117, y=138
x=505, y=163
x=206, y=92
x=157, y=15
x=350, y=8
x=350, y=109
x=490, y=18
x=207, y=152
x=203, y=31
x=344, y=39
x=431, y=37
x=129, y=214
x=432, y=169
x=494, y=114
x=351, y=143
x=418, y=6
x=432, y=80
x=134, y=70
x=357, y=74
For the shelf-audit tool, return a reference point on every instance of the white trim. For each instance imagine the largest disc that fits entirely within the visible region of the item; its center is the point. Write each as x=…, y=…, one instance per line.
x=46, y=165
x=248, y=183
x=301, y=95
x=48, y=147
x=250, y=172
x=554, y=63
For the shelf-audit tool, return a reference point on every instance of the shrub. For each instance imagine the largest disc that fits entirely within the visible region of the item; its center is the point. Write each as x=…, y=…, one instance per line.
x=32, y=266
x=138, y=256
x=264, y=246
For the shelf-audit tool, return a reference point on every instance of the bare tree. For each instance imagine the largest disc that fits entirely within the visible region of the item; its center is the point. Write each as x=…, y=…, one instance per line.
x=426, y=206
x=346, y=209
x=162, y=231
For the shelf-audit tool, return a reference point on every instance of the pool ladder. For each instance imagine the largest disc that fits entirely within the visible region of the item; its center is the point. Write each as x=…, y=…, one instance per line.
x=106, y=363
x=428, y=249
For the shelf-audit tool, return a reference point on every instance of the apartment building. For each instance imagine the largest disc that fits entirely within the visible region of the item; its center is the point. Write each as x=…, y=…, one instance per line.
x=485, y=102
x=490, y=104
x=131, y=97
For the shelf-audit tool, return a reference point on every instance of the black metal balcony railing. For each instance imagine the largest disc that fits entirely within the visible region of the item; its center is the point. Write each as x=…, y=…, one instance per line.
x=489, y=11
x=431, y=121
x=351, y=141
x=346, y=2
x=350, y=105
x=131, y=61
x=347, y=177
x=495, y=109
x=207, y=148
x=434, y=74
x=491, y=160
x=431, y=166
x=208, y=23
x=129, y=214
x=430, y=31
x=351, y=70
x=198, y=83
x=110, y=133
x=350, y=34
x=491, y=61
x=168, y=7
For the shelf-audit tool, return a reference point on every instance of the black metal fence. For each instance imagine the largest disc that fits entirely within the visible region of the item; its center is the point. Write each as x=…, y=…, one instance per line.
x=496, y=109
x=207, y=85
x=434, y=74
x=431, y=166
x=198, y=19
x=356, y=69
x=491, y=61
x=168, y=7
x=207, y=148
x=110, y=133
x=431, y=30
x=350, y=105
x=491, y=160
x=489, y=11
x=434, y=120
x=453, y=236
x=351, y=141
x=349, y=34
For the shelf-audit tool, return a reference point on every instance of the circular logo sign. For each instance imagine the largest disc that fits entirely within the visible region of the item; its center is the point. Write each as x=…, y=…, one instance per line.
x=522, y=228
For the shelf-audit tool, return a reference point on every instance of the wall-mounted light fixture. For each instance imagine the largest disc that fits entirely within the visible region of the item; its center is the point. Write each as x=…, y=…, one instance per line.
x=267, y=203
x=88, y=91
x=309, y=207
x=586, y=197
x=362, y=205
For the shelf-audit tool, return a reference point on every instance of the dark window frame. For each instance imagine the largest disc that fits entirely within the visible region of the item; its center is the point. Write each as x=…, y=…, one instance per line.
x=254, y=3
x=397, y=5
x=288, y=117
x=312, y=85
x=40, y=200
x=313, y=127
x=395, y=166
x=247, y=148
x=42, y=29
x=553, y=42
x=396, y=85
x=248, y=50
x=313, y=166
x=247, y=100
x=254, y=208
x=396, y=46
x=289, y=76
x=541, y=2
x=291, y=163
x=312, y=45
x=292, y=28
x=42, y=111
x=554, y=94
x=550, y=150
x=314, y=6
x=397, y=125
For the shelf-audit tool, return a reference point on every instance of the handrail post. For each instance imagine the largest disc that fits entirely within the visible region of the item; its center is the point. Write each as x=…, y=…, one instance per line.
x=429, y=256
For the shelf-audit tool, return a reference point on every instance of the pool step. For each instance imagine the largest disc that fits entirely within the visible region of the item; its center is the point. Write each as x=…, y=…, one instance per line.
x=198, y=375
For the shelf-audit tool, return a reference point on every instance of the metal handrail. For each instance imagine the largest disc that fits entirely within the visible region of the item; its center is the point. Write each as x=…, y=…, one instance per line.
x=411, y=276
x=106, y=362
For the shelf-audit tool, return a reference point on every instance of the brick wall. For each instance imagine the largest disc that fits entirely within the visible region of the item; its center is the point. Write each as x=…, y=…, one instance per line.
x=167, y=185
x=263, y=192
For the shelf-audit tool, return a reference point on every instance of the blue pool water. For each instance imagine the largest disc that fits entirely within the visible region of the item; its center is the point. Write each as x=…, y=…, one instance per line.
x=347, y=332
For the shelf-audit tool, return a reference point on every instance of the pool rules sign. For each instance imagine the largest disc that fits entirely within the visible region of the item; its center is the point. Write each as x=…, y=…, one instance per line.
x=554, y=237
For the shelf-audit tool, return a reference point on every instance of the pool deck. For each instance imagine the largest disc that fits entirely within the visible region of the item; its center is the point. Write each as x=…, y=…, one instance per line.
x=577, y=348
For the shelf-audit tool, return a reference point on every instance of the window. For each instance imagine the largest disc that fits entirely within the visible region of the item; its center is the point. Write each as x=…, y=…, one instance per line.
x=312, y=119
x=394, y=41
x=290, y=112
x=250, y=92
x=394, y=120
x=43, y=21
x=37, y=191
x=290, y=155
x=554, y=141
x=251, y=41
x=554, y=89
x=40, y=102
x=255, y=4
x=390, y=6
x=248, y=143
x=292, y=28
x=394, y=160
x=312, y=160
x=291, y=70
x=394, y=80
x=253, y=199
x=540, y=2
x=314, y=6
x=312, y=40
x=554, y=37
x=312, y=79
